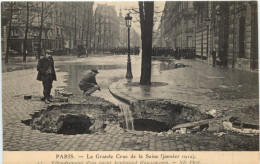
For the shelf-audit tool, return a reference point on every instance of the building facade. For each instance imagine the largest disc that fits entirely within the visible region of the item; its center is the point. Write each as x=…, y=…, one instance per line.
x=106, y=28
x=231, y=28
x=64, y=25
x=135, y=40
x=110, y=30
x=178, y=24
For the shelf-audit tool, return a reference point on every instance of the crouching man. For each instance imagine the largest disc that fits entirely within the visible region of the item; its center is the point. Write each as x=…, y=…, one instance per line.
x=88, y=83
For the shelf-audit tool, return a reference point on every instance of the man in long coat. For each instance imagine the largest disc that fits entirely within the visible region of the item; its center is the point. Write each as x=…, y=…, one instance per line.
x=46, y=74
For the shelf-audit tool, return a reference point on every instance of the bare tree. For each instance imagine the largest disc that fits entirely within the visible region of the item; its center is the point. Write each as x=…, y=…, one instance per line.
x=11, y=4
x=99, y=34
x=83, y=24
x=95, y=30
x=45, y=13
x=88, y=27
x=26, y=31
x=75, y=24
x=146, y=11
x=104, y=34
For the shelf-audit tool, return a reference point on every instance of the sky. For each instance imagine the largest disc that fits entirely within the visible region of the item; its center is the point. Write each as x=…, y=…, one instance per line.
x=126, y=5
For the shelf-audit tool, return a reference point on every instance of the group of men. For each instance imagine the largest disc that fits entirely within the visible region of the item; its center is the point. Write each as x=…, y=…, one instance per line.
x=46, y=74
x=219, y=57
x=124, y=50
x=186, y=53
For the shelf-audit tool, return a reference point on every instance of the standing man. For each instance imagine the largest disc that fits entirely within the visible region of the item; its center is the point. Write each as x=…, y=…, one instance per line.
x=88, y=84
x=214, y=56
x=46, y=74
x=223, y=57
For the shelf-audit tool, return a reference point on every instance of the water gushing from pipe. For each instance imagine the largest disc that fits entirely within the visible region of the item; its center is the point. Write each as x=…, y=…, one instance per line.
x=125, y=109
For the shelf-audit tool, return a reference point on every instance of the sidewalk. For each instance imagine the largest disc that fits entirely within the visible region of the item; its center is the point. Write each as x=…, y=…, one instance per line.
x=199, y=84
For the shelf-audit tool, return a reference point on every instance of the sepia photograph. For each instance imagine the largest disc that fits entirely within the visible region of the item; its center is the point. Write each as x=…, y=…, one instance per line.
x=129, y=76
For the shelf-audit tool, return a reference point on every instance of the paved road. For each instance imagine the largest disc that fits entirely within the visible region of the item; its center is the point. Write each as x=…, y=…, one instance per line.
x=18, y=136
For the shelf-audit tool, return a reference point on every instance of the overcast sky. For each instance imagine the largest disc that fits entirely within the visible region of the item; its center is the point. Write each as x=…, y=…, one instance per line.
x=126, y=5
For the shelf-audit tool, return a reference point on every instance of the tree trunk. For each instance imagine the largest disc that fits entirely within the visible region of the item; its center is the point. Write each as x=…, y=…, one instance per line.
x=104, y=35
x=87, y=36
x=83, y=24
x=40, y=34
x=75, y=26
x=95, y=31
x=26, y=32
x=226, y=31
x=90, y=29
x=146, y=20
x=9, y=33
x=99, y=34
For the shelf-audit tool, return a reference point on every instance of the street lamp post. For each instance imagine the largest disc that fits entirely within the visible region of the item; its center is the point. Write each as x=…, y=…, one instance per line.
x=128, y=21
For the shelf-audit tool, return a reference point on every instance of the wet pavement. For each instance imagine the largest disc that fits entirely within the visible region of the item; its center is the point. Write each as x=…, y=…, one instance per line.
x=208, y=84
x=196, y=84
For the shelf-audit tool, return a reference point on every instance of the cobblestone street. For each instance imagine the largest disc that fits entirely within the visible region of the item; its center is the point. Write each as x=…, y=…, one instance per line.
x=17, y=136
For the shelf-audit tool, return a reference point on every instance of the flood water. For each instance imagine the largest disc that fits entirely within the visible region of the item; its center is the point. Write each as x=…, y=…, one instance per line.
x=111, y=69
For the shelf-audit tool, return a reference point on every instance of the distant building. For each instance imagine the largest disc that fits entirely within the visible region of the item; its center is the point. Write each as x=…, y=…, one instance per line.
x=135, y=39
x=106, y=28
x=178, y=24
x=158, y=37
x=62, y=26
x=110, y=30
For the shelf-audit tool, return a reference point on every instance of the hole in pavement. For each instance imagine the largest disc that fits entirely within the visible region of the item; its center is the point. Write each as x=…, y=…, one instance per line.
x=170, y=112
x=162, y=115
x=72, y=119
x=150, y=125
x=74, y=124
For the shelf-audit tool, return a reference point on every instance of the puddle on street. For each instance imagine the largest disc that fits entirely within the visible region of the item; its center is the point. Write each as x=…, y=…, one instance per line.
x=107, y=75
x=171, y=64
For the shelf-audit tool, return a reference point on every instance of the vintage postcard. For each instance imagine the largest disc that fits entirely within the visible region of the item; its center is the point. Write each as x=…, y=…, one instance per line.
x=130, y=82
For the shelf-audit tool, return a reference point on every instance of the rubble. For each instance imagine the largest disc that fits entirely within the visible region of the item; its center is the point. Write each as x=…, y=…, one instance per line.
x=228, y=126
x=219, y=134
x=212, y=112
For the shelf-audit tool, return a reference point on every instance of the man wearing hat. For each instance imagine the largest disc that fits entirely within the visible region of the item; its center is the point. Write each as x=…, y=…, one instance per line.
x=88, y=83
x=46, y=74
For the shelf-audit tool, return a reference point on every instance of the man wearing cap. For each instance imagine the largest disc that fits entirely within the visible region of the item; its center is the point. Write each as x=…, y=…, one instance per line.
x=46, y=74
x=88, y=83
